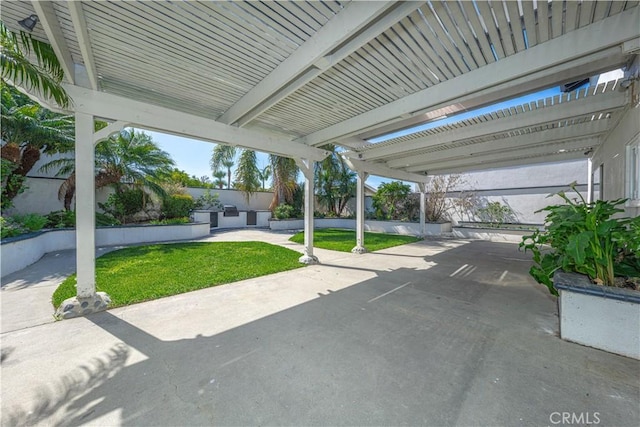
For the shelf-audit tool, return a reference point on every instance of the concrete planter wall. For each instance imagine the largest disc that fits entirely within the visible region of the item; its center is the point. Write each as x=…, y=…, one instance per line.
x=392, y=227
x=20, y=252
x=491, y=234
x=602, y=317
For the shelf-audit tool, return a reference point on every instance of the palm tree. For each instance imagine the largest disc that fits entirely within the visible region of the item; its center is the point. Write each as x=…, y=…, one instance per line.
x=285, y=173
x=265, y=174
x=28, y=130
x=247, y=173
x=335, y=182
x=128, y=158
x=44, y=77
x=219, y=179
x=223, y=156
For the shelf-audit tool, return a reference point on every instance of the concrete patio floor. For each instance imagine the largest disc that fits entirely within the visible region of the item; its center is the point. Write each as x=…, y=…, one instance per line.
x=440, y=332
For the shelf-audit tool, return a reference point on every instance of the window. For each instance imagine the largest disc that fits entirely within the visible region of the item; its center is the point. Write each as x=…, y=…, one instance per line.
x=633, y=173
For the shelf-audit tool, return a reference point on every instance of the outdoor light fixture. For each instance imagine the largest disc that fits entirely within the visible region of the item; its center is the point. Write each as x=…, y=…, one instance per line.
x=29, y=22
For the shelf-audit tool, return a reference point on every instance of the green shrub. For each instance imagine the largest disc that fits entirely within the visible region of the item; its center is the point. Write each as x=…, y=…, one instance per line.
x=31, y=222
x=123, y=204
x=177, y=206
x=10, y=228
x=208, y=201
x=61, y=219
x=170, y=221
x=496, y=213
x=103, y=220
x=284, y=212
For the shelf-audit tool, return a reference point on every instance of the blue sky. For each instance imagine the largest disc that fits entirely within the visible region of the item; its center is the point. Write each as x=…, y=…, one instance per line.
x=193, y=156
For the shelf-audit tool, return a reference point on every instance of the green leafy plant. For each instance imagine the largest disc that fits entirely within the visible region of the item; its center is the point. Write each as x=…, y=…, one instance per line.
x=61, y=219
x=495, y=213
x=170, y=221
x=10, y=228
x=106, y=220
x=583, y=238
x=31, y=222
x=208, y=201
x=388, y=199
x=125, y=203
x=177, y=206
x=284, y=212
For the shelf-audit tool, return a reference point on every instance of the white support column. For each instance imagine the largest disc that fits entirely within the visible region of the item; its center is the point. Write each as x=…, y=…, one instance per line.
x=589, y=180
x=307, y=168
x=85, y=207
x=87, y=300
x=423, y=208
x=360, y=247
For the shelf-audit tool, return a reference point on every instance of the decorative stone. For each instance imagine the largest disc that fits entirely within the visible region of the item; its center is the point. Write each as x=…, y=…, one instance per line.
x=359, y=250
x=309, y=259
x=77, y=307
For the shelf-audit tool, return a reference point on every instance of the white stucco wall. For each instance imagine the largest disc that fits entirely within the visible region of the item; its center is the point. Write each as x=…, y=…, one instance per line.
x=41, y=197
x=611, y=155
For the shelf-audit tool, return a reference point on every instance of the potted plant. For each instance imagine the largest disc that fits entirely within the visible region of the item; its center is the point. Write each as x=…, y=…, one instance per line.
x=590, y=256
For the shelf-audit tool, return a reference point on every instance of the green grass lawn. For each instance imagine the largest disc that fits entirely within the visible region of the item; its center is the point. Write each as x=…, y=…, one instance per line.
x=144, y=273
x=344, y=240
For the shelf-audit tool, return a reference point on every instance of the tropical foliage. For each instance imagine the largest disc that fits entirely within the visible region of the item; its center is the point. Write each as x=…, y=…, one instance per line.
x=388, y=199
x=285, y=173
x=247, y=173
x=43, y=77
x=130, y=158
x=28, y=130
x=182, y=178
x=585, y=238
x=335, y=183
x=223, y=157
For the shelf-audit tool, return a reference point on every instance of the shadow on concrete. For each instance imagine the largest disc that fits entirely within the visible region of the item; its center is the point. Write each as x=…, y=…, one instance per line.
x=408, y=347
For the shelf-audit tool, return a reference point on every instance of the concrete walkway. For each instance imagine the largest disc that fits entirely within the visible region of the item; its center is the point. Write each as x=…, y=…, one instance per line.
x=433, y=333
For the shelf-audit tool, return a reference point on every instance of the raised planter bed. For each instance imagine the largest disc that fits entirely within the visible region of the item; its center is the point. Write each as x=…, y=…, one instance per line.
x=602, y=317
x=19, y=252
x=392, y=227
x=493, y=234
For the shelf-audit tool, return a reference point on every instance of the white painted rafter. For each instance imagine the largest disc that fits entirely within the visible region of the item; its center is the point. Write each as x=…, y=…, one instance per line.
x=152, y=117
x=606, y=102
x=382, y=170
x=494, y=156
x=80, y=27
x=47, y=16
x=412, y=163
x=551, y=158
x=317, y=55
x=525, y=71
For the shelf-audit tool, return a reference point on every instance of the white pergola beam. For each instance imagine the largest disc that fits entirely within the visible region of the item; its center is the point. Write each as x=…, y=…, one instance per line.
x=553, y=158
x=352, y=19
x=413, y=163
x=80, y=27
x=519, y=73
x=47, y=16
x=606, y=102
x=496, y=156
x=382, y=170
x=152, y=117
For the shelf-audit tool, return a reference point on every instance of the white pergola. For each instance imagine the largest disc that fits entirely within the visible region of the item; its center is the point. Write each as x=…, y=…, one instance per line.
x=288, y=77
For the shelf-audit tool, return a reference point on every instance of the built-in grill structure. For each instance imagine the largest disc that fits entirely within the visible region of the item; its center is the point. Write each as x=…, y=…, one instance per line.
x=231, y=210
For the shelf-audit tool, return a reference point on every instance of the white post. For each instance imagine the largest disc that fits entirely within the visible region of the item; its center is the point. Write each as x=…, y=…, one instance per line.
x=87, y=300
x=589, y=180
x=360, y=248
x=307, y=168
x=85, y=207
x=423, y=208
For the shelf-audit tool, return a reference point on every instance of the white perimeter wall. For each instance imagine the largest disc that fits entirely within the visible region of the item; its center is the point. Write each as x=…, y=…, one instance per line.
x=41, y=197
x=524, y=189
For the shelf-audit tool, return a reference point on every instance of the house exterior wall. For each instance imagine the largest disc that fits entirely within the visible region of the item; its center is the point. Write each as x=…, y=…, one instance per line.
x=612, y=157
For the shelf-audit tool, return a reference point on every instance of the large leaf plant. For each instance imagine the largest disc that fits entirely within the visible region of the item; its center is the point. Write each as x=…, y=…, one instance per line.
x=585, y=238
